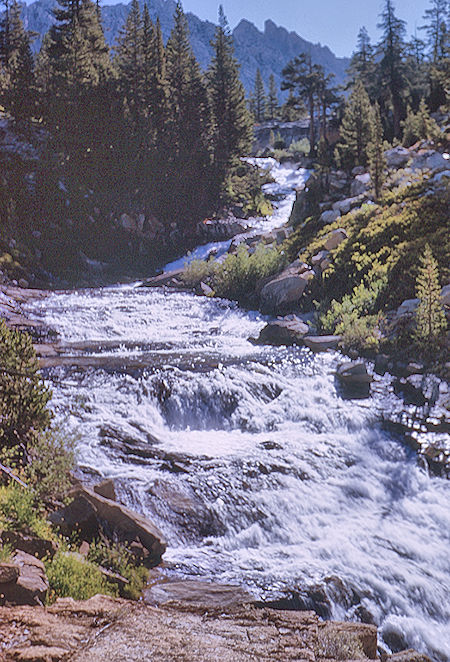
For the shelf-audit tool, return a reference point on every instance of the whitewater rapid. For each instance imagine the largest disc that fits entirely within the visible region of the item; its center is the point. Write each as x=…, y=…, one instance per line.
x=250, y=459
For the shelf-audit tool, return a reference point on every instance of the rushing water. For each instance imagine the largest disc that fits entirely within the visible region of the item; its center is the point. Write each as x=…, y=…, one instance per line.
x=250, y=460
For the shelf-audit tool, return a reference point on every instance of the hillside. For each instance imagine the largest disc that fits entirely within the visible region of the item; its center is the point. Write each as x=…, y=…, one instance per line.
x=269, y=50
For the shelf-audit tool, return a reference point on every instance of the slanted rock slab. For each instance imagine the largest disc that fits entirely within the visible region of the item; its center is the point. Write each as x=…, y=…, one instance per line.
x=30, y=586
x=197, y=593
x=322, y=343
x=283, y=332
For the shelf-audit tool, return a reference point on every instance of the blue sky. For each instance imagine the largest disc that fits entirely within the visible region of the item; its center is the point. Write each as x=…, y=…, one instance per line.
x=334, y=23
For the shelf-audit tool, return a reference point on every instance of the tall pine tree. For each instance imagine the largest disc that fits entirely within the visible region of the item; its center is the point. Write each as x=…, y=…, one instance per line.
x=355, y=128
x=232, y=126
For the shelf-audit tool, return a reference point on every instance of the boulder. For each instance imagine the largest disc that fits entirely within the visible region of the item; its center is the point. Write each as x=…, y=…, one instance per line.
x=319, y=257
x=206, y=290
x=408, y=307
x=337, y=180
x=283, y=332
x=197, y=593
x=285, y=290
x=79, y=515
x=106, y=489
x=126, y=522
x=429, y=159
x=439, y=176
x=365, y=635
x=353, y=373
x=321, y=343
x=335, y=238
x=9, y=572
x=397, y=157
x=31, y=585
x=330, y=216
x=409, y=655
x=343, y=206
x=360, y=184
x=445, y=295
x=38, y=547
x=358, y=170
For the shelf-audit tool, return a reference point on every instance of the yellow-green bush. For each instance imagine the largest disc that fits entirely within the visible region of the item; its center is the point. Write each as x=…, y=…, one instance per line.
x=70, y=576
x=20, y=512
x=117, y=558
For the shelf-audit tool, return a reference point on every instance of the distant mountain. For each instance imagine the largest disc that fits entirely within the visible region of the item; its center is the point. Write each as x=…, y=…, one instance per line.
x=269, y=50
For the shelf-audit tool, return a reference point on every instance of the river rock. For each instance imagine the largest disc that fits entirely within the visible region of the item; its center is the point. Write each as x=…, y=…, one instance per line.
x=106, y=489
x=344, y=206
x=353, y=373
x=126, y=522
x=330, y=216
x=322, y=343
x=397, y=157
x=319, y=257
x=79, y=515
x=30, y=585
x=337, y=180
x=33, y=545
x=365, y=635
x=284, y=290
x=409, y=655
x=169, y=278
x=360, y=184
x=283, y=332
x=197, y=593
x=9, y=572
x=335, y=238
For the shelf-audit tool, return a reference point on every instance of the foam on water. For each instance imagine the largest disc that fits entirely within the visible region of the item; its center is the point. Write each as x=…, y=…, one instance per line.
x=292, y=483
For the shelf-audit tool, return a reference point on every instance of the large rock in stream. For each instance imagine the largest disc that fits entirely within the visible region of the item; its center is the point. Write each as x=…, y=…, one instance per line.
x=283, y=332
x=285, y=290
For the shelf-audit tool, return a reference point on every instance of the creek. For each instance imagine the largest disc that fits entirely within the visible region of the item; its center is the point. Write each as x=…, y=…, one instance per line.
x=257, y=468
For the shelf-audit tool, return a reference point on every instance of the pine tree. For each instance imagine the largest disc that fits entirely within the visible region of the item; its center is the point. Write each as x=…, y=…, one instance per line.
x=128, y=60
x=300, y=77
x=355, y=128
x=19, y=93
x=437, y=32
x=190, y=122
x=362, y=64
x=430, y=316
x=5, y=35
x=259, y=98
x=392, y=79
x=375, y=151
x=232, y=125
x=419, y=126
x=272, y=99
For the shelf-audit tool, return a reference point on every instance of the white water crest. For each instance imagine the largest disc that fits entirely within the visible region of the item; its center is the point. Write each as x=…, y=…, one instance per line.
x=251, y=460
x=287, y=179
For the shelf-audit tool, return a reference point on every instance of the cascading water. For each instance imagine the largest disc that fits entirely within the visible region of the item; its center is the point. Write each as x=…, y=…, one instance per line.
x=250, y=460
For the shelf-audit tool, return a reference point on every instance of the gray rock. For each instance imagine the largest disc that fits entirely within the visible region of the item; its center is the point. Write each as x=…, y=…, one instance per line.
x=360, y=184
x=166, y=278
x=397, y=157
x=9, y=572
x=439, y=176
x=31, y=585
x=343, y=206
x=319, y=257
x=429, y=160
x=408, y=307
x=206, y=290
x=321, y=343
x=106, y=489
x=353, y=373
x=335, y=238
x=198, y=593
x=337, y=180
x=283, y=332
x=445, y=295
x=330, y=216
x=358, y=170
x=284, y=290
x=33, y=545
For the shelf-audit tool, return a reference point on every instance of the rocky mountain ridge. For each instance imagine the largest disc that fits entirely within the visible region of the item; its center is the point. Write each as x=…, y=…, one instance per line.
x=269, y=50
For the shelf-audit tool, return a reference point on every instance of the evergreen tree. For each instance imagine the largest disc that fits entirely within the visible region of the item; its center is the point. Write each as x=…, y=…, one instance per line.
x=129, y=61
x=437, y=32
x=272, y=107
x=190, y=122
x=259, y=98
x=326, y=97
x=4, y=35
x=232, y=125
x=419, y=126
x=392, y=80
x=355, y=128
x=375, y=151
x=19, y=93
x=430, y=316
x=362, y=64
x=300, y=77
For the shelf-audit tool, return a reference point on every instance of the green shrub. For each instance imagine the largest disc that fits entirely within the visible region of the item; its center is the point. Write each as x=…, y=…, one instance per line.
x=23, y=394
x=51, y=458
x=238, y=274
x=198, y=271
x=20, y=512
x=5, y=553
x=117, y=558
x=70, y=576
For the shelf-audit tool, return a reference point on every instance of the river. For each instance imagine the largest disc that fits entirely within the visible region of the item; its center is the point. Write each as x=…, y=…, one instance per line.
x=250, y=460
